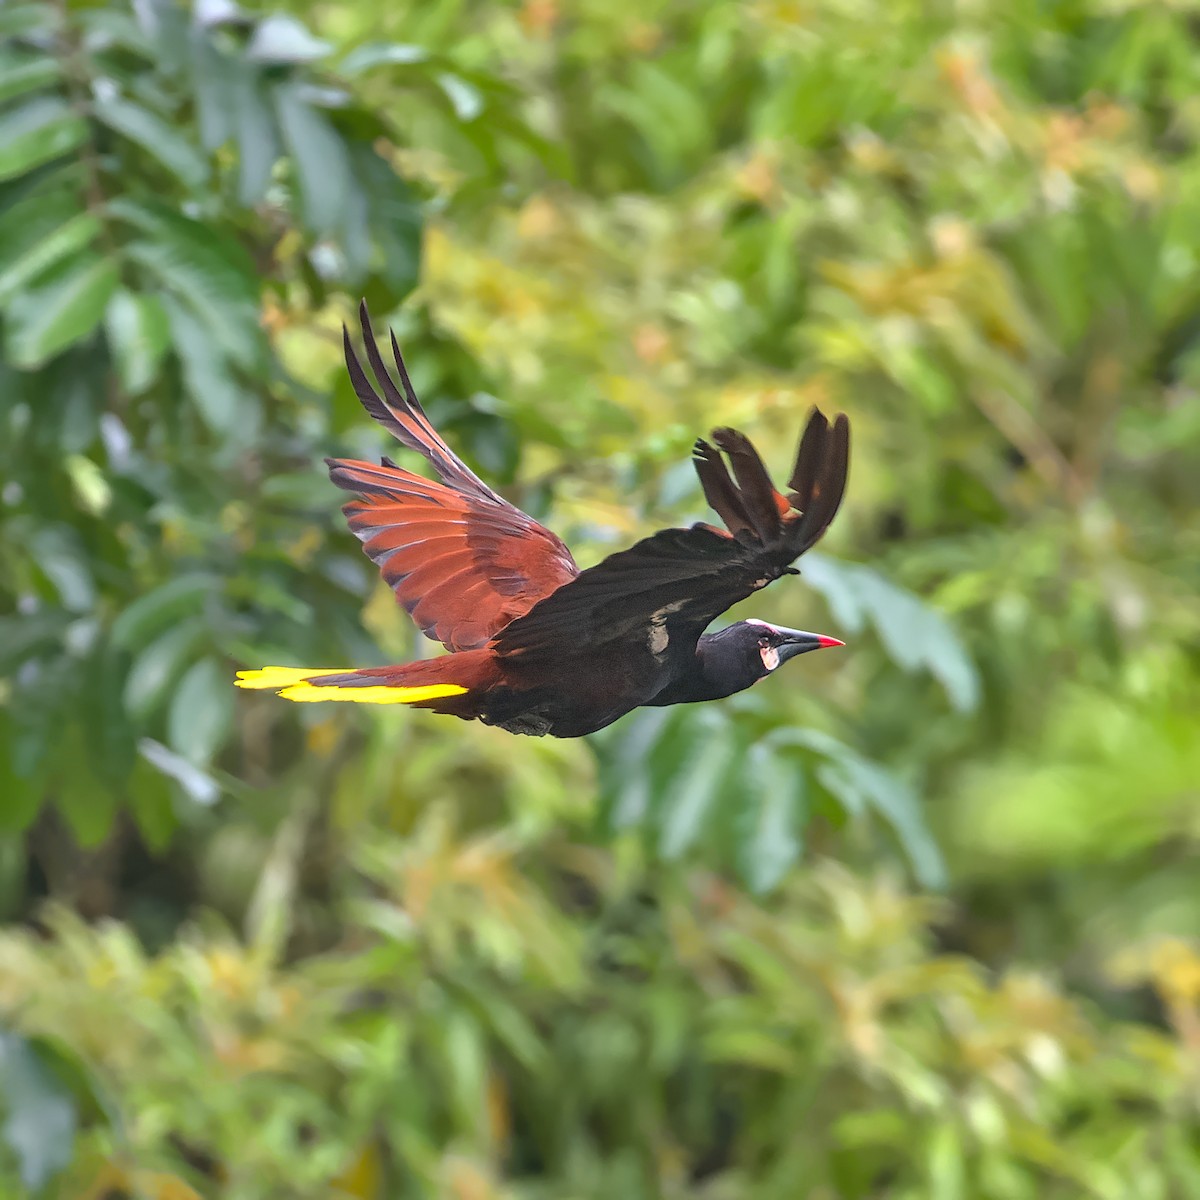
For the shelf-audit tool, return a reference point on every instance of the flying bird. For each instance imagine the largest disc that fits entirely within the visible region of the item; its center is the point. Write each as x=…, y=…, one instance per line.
x=538, y=646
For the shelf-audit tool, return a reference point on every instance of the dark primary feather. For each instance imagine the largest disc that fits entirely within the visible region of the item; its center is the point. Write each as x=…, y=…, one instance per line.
x=684, y=578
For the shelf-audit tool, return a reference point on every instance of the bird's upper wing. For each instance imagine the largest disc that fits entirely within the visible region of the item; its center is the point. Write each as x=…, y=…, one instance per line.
x=461, y=559
x=676, y=581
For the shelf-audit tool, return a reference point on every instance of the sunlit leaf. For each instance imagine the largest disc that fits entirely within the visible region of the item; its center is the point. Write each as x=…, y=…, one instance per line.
x=61, y=308
x=42, y=129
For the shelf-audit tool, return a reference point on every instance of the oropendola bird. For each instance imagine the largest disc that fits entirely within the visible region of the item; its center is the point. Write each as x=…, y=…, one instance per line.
x=537, y=645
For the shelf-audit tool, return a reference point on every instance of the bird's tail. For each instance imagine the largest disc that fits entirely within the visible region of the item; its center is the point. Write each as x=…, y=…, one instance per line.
x=423, y=683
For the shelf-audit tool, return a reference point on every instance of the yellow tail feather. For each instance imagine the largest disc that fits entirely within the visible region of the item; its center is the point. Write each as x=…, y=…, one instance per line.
x=292, y=684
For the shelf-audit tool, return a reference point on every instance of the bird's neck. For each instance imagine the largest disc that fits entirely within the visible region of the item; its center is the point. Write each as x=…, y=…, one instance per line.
x=709, y=674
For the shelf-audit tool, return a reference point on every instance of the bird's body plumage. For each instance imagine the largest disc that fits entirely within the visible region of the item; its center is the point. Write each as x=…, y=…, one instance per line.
x=538, y=646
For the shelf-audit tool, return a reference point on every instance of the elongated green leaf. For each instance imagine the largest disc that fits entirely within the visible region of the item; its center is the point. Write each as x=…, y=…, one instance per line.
x=375, y=54
x=215, y=78
x=211, y=276
x=44, y=128
x=19, y=75
x=257, y=138
x=769, y=814
x=161, y=607
x=201, y=713
x=39, y=1127
x=59, y=552
x=18, y=20
x=914, y=634
x=318, y=157
x=283, y=39
x=199, y=786
x=218, y=397
x=36, y=214
x=157, y=664
x=690, y=795
x=138, y=335
x=62, y=308
x=66, y=240
x=167, y=143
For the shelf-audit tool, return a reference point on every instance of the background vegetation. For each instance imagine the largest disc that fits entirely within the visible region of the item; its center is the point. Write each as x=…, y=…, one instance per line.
x=915, y=920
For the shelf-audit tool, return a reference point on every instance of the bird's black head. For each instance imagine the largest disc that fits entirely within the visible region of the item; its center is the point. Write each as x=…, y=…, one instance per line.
x=741, y=654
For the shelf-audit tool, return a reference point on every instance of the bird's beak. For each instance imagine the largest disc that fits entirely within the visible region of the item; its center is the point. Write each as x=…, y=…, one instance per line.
x=797, y=641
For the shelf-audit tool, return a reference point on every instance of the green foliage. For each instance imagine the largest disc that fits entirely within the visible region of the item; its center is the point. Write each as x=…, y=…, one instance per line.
x=344, y=954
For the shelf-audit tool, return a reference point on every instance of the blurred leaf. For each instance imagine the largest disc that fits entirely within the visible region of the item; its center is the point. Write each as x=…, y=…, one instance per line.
x=40, y=1124
x=42, y=129
x=21, y=75
x=200, y=787
x=156, y=137
x=162, y=606
x=201, y=712
x=159, y=662
x=60, y=555
x=770, y=804
x=915, y=634
x=319, y=158
x=283, y=39
x=138, y=335
x=60, y=309
x=67, y=241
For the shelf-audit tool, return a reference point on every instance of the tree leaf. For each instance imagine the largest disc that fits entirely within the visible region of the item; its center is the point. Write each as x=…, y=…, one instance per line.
x=163, y=606
x=43, y=128
x=138, y=336
x=157, y=664
x=201, y=714
x=41, y=1122
x=283, y=39
x=59, y=552
x=769, y=813
x=689, y=795
x=20, y=20
x=914, y=634
x=257, y=137
x=200, y=787
x=375, y=54
x=67, y=240
x=62, y=308
x=208, y=275
x=20, y=74
x=166, y=143
x=318, y=156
